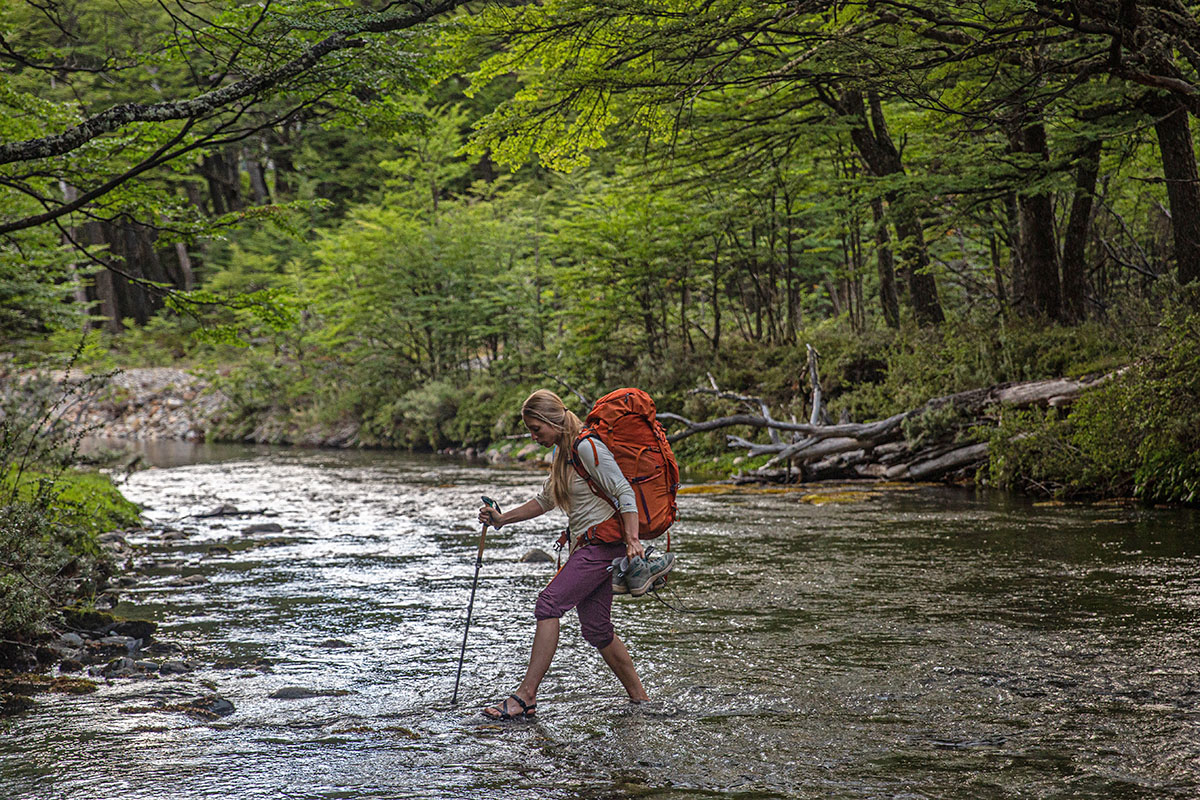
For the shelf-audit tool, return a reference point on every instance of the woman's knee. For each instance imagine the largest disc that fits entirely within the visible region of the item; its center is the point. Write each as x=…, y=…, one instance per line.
x=546, y=607
x=598, y=636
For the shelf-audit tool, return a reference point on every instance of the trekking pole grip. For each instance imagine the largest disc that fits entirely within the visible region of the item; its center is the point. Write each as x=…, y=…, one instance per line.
x=483, y=533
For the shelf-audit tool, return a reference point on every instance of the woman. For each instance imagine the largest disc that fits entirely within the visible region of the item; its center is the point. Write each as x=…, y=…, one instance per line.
x=598, y=536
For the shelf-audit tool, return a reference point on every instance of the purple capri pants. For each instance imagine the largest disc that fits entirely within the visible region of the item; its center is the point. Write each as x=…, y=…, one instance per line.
x=584, y=583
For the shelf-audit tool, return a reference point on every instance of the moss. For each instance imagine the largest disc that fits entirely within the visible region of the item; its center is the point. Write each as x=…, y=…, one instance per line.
x=84, y=499
x=81, y=618
x=24, y=683
x=14, y=704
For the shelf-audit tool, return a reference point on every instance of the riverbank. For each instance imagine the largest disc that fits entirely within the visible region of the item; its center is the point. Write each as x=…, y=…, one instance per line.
x=81, y=646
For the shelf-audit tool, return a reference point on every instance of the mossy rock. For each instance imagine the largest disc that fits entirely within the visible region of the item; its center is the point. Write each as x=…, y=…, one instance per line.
x=28, y=683
x=87, y=619
x=14, y=704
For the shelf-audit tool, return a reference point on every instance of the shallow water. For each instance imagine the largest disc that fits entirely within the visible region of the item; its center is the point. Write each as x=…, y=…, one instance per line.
x=917, y=643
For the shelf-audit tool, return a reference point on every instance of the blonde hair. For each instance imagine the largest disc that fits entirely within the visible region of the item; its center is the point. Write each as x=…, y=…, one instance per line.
x=547, y=407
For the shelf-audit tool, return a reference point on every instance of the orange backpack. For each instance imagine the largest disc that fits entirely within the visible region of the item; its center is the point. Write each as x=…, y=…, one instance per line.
x=625, y=421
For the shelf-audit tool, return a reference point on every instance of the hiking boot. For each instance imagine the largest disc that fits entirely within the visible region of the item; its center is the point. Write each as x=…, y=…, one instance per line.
x=620, y=571
x=643, y=574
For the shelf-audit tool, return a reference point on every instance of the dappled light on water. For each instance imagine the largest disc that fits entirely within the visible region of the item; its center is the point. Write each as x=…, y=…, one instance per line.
x=916, y=643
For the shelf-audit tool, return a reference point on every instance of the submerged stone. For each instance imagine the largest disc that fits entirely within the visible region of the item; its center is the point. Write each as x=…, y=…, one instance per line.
x=303, y=693
x=263, y=527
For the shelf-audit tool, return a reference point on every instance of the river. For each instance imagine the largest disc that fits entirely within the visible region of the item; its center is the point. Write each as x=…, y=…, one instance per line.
x=912, y=642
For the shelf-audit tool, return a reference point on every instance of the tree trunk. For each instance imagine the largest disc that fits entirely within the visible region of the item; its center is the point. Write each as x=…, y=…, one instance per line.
x=258, y=182
x=1183, y=184
x=716, y=295
x=877, y=150
x=1038, y=246
x=224, y=183
x=1074, y=261
x=886, y=266
x=997, y=273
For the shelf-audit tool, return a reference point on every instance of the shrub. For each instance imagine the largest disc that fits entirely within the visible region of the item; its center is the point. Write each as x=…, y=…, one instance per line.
x=1138, y=434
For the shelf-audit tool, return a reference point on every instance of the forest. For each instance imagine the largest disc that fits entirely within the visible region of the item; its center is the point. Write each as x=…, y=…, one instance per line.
x=408, y=215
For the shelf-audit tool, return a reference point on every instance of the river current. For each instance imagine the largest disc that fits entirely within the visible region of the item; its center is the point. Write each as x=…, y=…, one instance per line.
x=838, y=642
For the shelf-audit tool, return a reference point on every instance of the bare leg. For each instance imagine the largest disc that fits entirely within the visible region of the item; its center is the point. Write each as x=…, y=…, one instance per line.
x=545, y=642
x=616, y=655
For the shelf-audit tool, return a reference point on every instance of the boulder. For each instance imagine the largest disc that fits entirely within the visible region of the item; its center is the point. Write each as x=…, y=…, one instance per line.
x=136, y=628
x=536, y=556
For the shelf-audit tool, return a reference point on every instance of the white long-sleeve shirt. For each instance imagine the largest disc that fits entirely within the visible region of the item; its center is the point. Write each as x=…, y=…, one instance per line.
x=586, y=508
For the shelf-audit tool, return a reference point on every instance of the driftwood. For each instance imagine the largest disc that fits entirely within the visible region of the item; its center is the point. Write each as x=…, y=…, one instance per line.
x=875, y=449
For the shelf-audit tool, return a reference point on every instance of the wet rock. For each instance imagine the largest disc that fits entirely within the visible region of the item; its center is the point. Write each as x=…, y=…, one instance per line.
x=70, y=665
x=83, y=619
x=14, y=704
x=536, y=556
x=136, y=628
x=223, y=510
x=117, y=641
x=36, y=683
x=263, y=527
x=120, y=668
x=335, y=644
x=219, y=550
x=190, y=580
x=214, y=706
x=174, y=667
x=303, y=692
x=71, y=640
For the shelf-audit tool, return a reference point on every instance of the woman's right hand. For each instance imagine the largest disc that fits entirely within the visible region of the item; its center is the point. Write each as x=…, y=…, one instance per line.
x=490, y=516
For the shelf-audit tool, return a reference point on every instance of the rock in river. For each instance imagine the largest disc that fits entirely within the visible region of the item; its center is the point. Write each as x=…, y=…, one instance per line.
x=536, y=556
x=303, y=692
x=263, y=527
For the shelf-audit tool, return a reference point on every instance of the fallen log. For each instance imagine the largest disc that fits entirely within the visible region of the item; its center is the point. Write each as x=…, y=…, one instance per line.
x=936, y=467
x=880, y=449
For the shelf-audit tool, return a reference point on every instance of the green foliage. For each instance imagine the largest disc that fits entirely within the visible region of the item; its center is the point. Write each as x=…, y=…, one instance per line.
x=49, y=513
x=1137, y=434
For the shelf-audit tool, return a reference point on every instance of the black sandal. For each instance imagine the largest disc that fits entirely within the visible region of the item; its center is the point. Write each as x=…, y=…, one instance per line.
x=527, y=710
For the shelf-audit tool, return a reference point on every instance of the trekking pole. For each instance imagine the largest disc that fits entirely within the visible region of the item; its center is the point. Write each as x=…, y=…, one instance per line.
x=471, y=605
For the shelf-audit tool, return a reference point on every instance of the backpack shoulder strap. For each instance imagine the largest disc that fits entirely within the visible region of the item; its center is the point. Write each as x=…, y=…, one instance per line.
x=587, y=434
